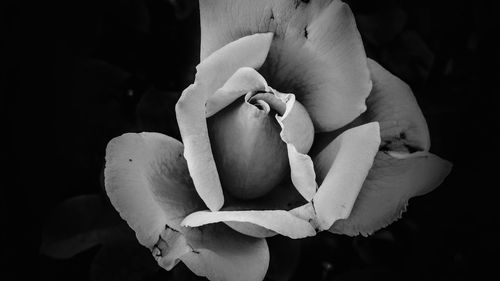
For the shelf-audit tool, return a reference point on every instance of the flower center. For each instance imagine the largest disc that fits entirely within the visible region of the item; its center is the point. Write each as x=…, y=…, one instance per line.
x=250, y=155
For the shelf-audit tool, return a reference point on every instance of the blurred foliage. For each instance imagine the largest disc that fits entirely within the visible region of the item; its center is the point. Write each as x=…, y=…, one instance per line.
x=82, y=72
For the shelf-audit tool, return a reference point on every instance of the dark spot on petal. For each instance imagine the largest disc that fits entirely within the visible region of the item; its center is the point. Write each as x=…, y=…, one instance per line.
x=129, y=160
x=305, y=32
x=305, y=1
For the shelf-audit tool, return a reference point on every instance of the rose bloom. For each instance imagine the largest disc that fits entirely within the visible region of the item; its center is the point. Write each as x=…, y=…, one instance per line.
x=277, y=80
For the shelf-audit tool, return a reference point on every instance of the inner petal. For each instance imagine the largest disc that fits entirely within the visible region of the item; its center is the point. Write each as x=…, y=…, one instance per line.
x=248, y=151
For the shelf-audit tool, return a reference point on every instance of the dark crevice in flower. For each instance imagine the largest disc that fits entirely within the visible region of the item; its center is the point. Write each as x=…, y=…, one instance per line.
x=306, y=33
x=259, y=98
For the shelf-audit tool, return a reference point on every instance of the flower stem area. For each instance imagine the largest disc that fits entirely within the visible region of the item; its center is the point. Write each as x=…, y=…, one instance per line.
x=79, y=73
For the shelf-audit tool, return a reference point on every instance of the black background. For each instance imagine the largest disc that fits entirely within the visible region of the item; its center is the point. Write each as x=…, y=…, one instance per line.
x=81, y=72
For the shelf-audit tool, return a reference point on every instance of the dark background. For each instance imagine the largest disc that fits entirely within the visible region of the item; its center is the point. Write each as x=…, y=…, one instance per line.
x=79, y=73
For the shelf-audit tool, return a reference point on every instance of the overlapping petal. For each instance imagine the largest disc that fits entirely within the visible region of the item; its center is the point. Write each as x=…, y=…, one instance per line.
x=148, y=182
x=212, y=73
x=392, y=181
x=317, y=52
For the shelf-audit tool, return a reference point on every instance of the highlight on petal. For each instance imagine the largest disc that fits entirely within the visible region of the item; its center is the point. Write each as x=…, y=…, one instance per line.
x=297, y=131
x=220, y=253
x=279, y=221
x=317, y=51
x=244, y=80
x=341, y=169
x=392, y=181
x=393, y=105
x=214, y=251
x=250, y=51
x=148, y=182
x=190, y=112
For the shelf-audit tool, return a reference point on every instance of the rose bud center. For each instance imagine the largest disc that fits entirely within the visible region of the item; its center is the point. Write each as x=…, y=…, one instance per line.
x=245, y=137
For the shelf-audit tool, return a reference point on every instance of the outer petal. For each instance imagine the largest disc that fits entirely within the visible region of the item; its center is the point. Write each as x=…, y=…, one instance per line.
x=392, y=104
x=147, y=180
x=342, y=168
x=212, y=73
x=392, y=181
x=279, y=221
x=317, y=53
x=214, y=251
x=220, y=253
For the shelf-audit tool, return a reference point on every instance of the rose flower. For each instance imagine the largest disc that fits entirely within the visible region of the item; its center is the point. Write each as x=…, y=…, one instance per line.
x=276, y=79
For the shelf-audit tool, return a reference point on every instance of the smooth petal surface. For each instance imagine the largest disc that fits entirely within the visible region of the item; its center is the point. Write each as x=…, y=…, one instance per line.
x=244, y=80
x=317, y=52
x=220, y=253
x=393, y=105
x=341, y=169
x=279, y=221
x=392, y=181
x=148, y=182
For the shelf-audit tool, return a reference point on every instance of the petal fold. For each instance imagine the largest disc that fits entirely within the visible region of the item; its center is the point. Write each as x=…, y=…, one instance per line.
x=279, y=221
x=341, y=169
x=392, y=181
x=148, y=182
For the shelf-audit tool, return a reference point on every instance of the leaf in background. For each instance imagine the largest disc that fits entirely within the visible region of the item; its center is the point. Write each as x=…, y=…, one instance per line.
x=125, y=261
x=77, y=225
x=382, y=26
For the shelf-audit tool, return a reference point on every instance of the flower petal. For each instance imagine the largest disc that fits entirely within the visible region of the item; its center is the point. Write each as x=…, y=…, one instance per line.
x=392, y=181
x=220, y=253
x=317, y=52
x=392, y=104
x=297, y=132
x=279, y=221
x=147, y=180
x=341, y=169
x=244, y=80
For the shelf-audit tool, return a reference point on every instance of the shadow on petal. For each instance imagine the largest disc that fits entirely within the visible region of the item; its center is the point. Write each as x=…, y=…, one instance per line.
x=388, y=187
